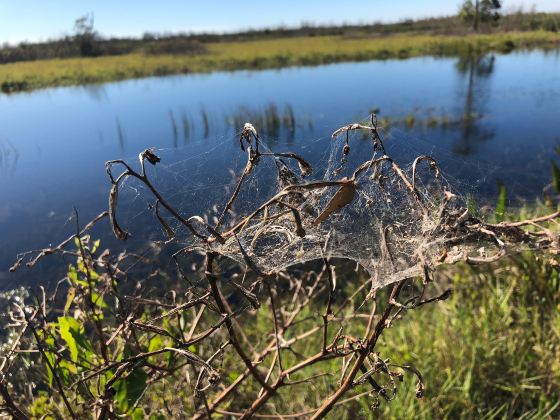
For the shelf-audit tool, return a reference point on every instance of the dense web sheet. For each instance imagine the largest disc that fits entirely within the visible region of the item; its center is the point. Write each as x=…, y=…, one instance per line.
x=397, y=220
x=369, y=216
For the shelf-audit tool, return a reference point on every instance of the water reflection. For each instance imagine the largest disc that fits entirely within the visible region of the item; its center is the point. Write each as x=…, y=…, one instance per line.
x=97, y=92
x=121, y=136
x=174, y=129
x=269, y=121
x=9, y=157
x=477, y=71
x=186, y=127
x=205, y=123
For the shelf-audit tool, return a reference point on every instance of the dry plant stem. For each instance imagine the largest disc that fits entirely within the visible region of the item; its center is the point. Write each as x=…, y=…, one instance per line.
x=294, y=415
x=329, y=403
x=419, y=159
x=263, y=397
x=57, y=249
x=229, y=325
x=547, y=218
x=9, y=405
x=328, y=310
x=276, y=329
x=269, y=373
x=144, y=179
x=259, y=402
x=230, y=202
x=240, y=329
x=47, y=361
x=270, y=347
x=142, y=356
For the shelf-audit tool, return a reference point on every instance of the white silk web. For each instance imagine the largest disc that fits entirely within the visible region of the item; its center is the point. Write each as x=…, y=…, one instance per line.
x=397, y=220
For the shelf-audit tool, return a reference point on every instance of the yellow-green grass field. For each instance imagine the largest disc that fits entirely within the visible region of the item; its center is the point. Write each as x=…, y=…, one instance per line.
x=261, y=54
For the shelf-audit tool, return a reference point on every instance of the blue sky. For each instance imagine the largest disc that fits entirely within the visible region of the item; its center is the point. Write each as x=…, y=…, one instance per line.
x=42, y=19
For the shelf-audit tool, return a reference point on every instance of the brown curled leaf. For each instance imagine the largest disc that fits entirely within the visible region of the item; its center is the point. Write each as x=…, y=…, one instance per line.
x=113, y=197
x=304, y=166
x=342, y=197
x=347, y=128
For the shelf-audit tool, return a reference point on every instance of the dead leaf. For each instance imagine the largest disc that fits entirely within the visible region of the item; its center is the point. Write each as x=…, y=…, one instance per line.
x=342, y=197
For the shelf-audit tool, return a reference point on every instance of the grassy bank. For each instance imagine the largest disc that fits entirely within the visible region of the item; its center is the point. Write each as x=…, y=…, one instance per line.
x=261, y=54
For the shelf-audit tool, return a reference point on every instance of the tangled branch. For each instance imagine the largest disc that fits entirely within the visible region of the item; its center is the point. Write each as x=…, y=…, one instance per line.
x=287, y=250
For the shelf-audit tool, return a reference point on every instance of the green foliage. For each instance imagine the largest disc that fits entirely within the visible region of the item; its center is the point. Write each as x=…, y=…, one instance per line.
x=129, y=390
x=480, y=11
x=555, y=177
x=501, y=204
x=86, y=36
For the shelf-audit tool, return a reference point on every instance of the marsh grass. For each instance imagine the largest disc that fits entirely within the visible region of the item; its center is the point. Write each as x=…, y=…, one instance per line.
x=260, y=54
x=491, y=351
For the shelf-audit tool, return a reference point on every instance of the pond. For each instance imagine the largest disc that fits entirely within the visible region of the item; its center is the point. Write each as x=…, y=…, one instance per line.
x=485, y=119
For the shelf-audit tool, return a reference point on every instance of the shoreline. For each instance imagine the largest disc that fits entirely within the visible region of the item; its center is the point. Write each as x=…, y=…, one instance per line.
x=260, y=55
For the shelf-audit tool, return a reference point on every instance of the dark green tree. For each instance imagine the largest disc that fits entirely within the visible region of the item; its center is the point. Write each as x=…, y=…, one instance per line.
x=85, y=35
x=478, y=12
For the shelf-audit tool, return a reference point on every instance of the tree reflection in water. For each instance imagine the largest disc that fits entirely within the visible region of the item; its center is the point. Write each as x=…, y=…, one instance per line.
x=476, y=69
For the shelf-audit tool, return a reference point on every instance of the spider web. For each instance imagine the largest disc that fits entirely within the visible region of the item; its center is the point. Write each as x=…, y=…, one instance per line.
x=388, y=216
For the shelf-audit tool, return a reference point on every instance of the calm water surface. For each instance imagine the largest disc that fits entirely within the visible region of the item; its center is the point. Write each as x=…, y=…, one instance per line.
x=488, y=120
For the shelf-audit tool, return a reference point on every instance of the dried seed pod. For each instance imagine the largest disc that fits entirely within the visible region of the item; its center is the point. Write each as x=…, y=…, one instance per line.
x=16, y=265
x=150, y=156
x=420, y=388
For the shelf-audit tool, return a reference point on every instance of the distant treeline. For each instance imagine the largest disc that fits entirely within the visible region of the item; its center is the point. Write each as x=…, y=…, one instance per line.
x=187, y=44
x=452, y=25
x=71, y=47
